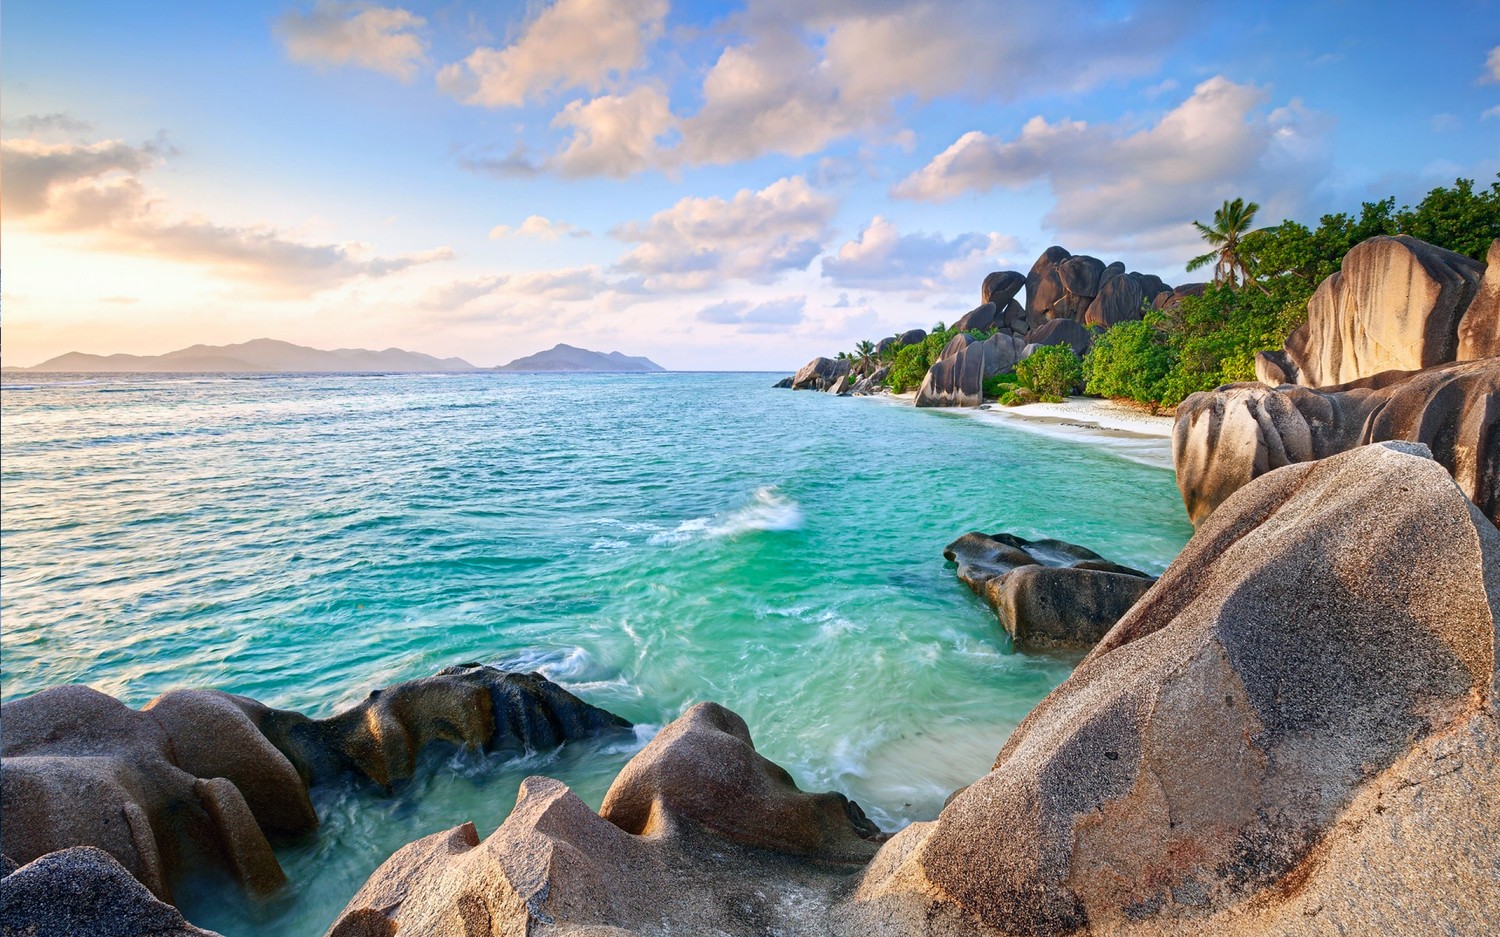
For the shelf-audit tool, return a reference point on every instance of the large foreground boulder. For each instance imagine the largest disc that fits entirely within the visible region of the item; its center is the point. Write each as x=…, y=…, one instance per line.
x=1225, y=438
x=84, y=892
x=199, y=778
x=1293, y=733
x=699, y=835
x=1396, y=304
x=1047, y=593
x=957, y=378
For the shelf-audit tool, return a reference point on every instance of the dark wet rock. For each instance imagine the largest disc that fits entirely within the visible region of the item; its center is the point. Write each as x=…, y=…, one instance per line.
x=198, y=777
x=1039, y=297
x=982, y=318
x=1151, y=285
x=468, y=705
x=1047, y=593
x=913, y=337
x=1396, y=304
x=785, y=382
x=1110, y=272
x=1013, y=319
x=1292, y=733
x=1119, y=300
x=821, y=373
x=957, y=378
x=1062, y=332
x=84, y=892
x=704, y=836
x=1001, y=287
x=1479, y=329
x=1226, y=437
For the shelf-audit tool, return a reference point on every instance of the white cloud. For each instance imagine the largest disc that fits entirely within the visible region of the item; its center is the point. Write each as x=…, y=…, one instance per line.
x=570, y=44
x=539, y=227
x=1492, y=65
x=884, y=259
x=809, y=73
x=613, y=135
x=95, y=190
x=1492, y=112
x=1117, y=184
x=382, y=39
x=774, y=315
x=754, y=236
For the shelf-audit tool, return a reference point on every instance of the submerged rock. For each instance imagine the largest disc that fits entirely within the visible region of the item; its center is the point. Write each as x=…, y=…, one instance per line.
x=1227, y=437
x=1047, y=593
x=1396, y=304
x=785, y=382
x=200, y=777
x=699, y=834
x=84, y=892
x=1293, y=733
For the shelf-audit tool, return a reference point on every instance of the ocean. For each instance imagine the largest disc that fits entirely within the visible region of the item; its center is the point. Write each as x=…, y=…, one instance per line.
x=647, y=541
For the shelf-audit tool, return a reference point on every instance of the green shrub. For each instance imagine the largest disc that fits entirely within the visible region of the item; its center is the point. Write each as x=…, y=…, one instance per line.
x=1215, y=336
x=997, y=384
x=1051, y=372
x=1133, y=360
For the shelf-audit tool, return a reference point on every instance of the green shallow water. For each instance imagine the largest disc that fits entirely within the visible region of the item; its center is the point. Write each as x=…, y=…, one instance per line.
x=647, y=541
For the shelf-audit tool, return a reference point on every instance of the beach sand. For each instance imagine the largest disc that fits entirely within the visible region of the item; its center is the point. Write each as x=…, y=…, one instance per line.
x=1128, y=432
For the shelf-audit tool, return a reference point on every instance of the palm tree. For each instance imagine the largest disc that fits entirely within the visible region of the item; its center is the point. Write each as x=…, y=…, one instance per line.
x=865, y=352
x=1231, y=224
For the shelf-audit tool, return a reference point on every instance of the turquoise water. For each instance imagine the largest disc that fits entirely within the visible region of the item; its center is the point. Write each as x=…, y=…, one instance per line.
x=647, y=541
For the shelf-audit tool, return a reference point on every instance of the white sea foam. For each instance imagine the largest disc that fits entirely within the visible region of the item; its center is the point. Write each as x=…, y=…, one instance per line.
x=768, y=510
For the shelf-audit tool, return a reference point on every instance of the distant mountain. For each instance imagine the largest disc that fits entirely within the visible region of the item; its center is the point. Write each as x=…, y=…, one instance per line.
x=567, y=358
x=262, y=354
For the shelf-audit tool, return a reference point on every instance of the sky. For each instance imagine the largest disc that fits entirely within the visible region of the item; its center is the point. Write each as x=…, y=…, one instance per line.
x=715, y=185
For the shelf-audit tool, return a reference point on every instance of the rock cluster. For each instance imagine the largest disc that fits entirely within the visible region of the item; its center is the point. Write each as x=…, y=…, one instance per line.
x=1397, y=304
x=821, y=374
x=202, y=778
x=1225, y=438
x=699, y=834
x=1067, y=297
x=1047, y=593
x=1292, y=733
x=957, y=378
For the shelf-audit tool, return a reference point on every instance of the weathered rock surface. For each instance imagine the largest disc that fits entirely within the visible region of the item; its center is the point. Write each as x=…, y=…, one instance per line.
x=84, y=892
x=913, y=337
x=1120, y=300
x=1047, y=593
x=872, y=383
x=820, y=374
x=785, y=382
x=1169, y=299
x=1396, y=305
x=1062, y=332
x=1001, y=287
x=199, y=777
x=704, y=836
x=1038, y=297
x=1225, y=438
x=1479, y=329
x=956, y=379
x=1293, y=733
x=981, y=318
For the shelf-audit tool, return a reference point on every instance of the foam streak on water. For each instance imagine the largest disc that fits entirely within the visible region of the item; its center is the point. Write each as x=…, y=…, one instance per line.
x=648, y=541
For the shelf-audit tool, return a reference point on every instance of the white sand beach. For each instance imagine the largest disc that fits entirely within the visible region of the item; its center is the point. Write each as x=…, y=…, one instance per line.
x=1127, y=431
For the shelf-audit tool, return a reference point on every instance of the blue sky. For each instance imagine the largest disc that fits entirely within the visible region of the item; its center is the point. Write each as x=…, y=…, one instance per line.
x=735, y=185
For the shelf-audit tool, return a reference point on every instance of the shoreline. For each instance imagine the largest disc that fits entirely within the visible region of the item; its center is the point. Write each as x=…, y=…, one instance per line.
x=1117, y=428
